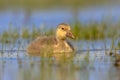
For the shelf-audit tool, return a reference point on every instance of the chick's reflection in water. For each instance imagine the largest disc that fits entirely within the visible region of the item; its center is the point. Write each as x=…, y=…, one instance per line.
x=53, y=44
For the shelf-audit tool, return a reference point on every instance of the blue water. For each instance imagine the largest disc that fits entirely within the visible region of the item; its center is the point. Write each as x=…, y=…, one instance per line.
x=86, y=66
x=52, y=17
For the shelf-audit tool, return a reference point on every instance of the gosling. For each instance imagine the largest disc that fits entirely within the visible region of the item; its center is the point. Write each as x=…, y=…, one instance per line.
x=57, y=43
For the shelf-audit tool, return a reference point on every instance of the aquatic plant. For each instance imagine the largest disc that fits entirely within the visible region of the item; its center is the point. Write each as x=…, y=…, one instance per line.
x=25, y=34
x=91, y=31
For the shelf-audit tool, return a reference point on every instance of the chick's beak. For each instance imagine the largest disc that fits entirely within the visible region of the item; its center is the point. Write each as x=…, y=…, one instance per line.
x=70, y=35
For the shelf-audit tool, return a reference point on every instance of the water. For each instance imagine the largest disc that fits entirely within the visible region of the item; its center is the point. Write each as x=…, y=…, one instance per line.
x=43, y=70
x=84, y=65
x=21, y=17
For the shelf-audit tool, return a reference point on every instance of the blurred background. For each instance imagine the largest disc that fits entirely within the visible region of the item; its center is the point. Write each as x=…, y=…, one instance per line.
x=90, y=20
x=24, y=15
x=52, y=12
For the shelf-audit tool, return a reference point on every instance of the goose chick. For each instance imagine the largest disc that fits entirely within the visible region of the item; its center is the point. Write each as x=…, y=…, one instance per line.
x=57, y=43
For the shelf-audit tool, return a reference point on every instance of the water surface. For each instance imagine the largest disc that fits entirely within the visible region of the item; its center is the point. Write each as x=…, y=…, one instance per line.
x=84, y=65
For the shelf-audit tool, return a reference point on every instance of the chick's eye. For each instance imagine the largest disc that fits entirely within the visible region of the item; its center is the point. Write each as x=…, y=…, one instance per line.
x=63, y=29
